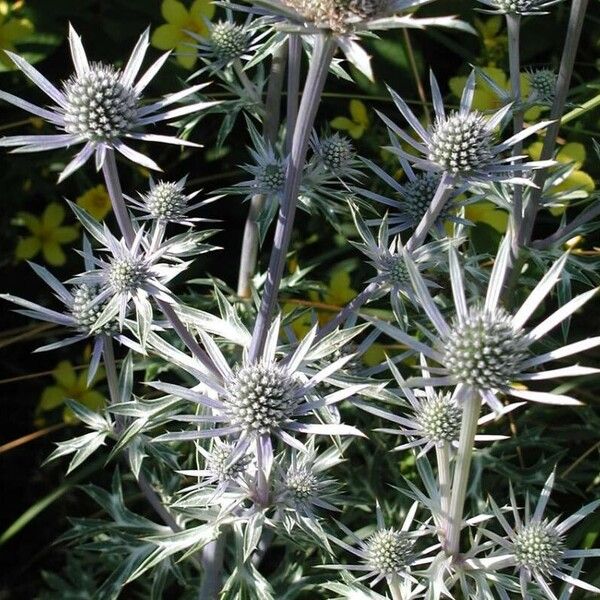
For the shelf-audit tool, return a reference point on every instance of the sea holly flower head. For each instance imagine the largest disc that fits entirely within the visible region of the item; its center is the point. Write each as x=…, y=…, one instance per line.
x=485, y=347
x=461, y=143
x=388, y=553
x=252, y=401
x=536, y=545
x=335, y=151
x=518, y=7
x=167, y=202
x=542, y=83
x=99, y=106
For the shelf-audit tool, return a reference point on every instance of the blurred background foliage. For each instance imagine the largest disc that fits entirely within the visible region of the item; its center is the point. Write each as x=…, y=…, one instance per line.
x=35, y=225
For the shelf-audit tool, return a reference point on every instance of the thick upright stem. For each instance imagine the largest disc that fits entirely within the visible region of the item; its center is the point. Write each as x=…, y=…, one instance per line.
x=442, y=453
x=293, y=90
x=433, y=212
x=576, y=18
x=317, y=74
x=251, y=239
x=113, y=185
x=462, y=469
x=212, y=562
x=513, y=24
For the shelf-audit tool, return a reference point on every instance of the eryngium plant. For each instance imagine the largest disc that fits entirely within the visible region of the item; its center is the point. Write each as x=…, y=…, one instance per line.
x=246, y=433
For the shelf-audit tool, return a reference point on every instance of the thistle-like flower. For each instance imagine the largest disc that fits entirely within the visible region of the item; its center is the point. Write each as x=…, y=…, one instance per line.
x=388, y=553
x=536, y=546
x=462, y=143
x=167, y=202
x=99, y=107
x=518, y=7
x=485, y=347
x=543, y=86
x=253, y=401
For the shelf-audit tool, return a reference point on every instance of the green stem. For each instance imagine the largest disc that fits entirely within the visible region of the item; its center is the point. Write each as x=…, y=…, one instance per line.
x=442, y=453
x=462, y=468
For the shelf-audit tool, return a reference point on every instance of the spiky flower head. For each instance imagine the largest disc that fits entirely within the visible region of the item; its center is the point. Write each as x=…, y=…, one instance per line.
x=260, y=397
x=228, y=40
x=484, y=349
x=270, y=177
x=126, y=273
x=336, y=151
x=461, y=143
x=166, y=200
x=538, y=546
x=100, y=107
x=301, y=483
x=86, y=313
x=519, y=7
x=418, y=194
x=220, y=465
x=439, y=417
x=393, y=268
x=338, y=15
x=543, y=85
x=389, y=551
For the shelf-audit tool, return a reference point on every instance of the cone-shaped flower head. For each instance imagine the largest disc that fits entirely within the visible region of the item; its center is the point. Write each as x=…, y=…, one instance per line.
x=99, y=106
x=86, y=313
x=228, y=40
x=220, y=465
x=519, y=7
x=336, y=151
x=486, y=347
x=543, y=85
x=439, y=417
x=389, y=551
x=301, y=483
x=538, y=546
x=462, y=143
x=165, y=200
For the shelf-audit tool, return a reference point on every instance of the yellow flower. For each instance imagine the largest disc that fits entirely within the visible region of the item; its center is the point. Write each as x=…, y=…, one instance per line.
x=494, y=40
x=12, y=30
x=484, y=98
x=571, y=153
x=47, y=235
x=69, y=386
x=358, y=124
x=487, y=212
x=180, y=20
x=96, y=201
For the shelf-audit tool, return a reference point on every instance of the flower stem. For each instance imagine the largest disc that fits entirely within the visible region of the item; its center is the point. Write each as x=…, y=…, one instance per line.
x=213, y=555
x=293, y=90
x=394, y=588
x=576, y=18
x=324, y=49
x=462, y=468
x=113, y=185
x=251, y=239
x=433, y=212
x=442, y=453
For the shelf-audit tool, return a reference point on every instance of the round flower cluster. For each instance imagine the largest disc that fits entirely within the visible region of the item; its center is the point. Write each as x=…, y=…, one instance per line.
x=301, y=483
x=394, y=269
x=86, y=314
x=418, y=194
x=336, y=151
x=543, y=85
x=485, y=350
x=538, y=547
x=166, y=201
x=126, y=274
x=389, y=551
x=220, y=465
x=518, y=6
x=228, y=41
x=439, y=417
x=260, y=398
x=270, y=177
x=461, y=143
x=99, y=107
x=338, y=15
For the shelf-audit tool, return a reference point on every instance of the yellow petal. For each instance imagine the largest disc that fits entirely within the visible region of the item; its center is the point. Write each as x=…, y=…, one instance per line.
x=487, y=212
x=492, y=26
x=93, y=399
x=532, y=114
x=65, y=375
x=96, y=201
x=343, y=123
x=52, y=397
x=16, y=29
x=202, y=8
x=28, y=220
x=53, y=215
x=63, y=235
x=27, y=248
x=53, y=254
x=535, y=150
x=572, y=152
x=374, y=355
x=174, y=12
x=358, y=111
x=577, y=180
x=339, y=291
x=186, y=54
x=166, y=37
